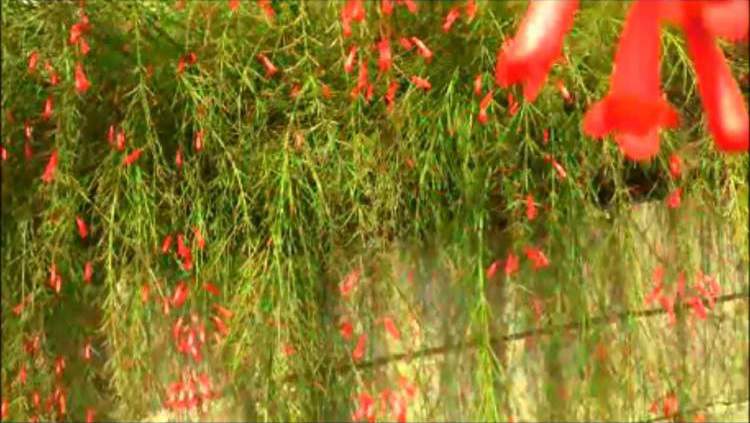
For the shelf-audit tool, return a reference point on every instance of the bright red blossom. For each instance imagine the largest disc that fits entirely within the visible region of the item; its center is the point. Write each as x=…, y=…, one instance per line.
x=391, y=328
x=537, y=257
x=49, y=170
x=82, y=82
x=359, y=349
x=88, y=272
x=471, y=9
x=528, y=57
x=721, y=96
x=384, y=61
x=675, y=166
x=492, y=269
x=271, y=69
x=346, y=329
x=674, y=199
x=421, y=83
x=531, y=211
x=511, y=264
x=82, y=229
x=48, y=108
x=635, y=108
x=451, y=18
x=390, y=94
x=422, y=49
x=33, y=61
x=132, y=157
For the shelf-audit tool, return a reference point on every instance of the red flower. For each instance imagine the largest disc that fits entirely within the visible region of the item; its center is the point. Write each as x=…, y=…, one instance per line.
x=384, y=61
x=635, y=109
x=421, y=83
x=353, y=10
x=22, y=375
x=198, y=142
x=199, y=238
x=48, y=107
x=90, y=415
x=366, y=408
x=132, y=157
x=84, y=46
x=54, y=78
x=411, y=6
x=674, y=199
x=667, y=303
x=512, y=105
x=671, y=405
x=698, y=308
x=492, y=269
x=528, y=57
x=721, y=96
x=349, y=283
x=406, y=43
x=557, y=166
x=531, y=211
x=33, y=61
x=88, y=272
x=184, y=252
x=82, y=230
x=422, y=49
x=675, y=166
x=386, y=7
x=346, y=329
x=82, y=83
x=120, y=140
x=28, y=130
x=471, y=9
x=234, y=5
x=180, y=295
x=267, y=8
x=564, y=91
x=391, y=328
x=145, y=291
x=723, y=18
x=49, y=170
x=359, y=349
x=450, y=18
x=511, y=265
x=271, y=70
x=87, y=351
x=166, y=244
x=478, y=85
x=483, y=105
x=539, y=260
x=178, y=158
x=390, y=95
x=211, y=288
x=350, y=59
x=362, y=79
x=325, y=90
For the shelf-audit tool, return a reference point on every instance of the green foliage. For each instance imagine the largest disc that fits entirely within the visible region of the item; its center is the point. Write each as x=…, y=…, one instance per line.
x=292, y=194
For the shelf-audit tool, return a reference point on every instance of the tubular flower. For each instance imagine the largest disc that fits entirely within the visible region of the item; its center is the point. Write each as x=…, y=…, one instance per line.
x=635, y=108
x=721, y=96
x=723, y=18
x=528, y=57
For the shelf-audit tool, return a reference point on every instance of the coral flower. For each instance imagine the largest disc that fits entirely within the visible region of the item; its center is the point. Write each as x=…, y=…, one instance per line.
x=721, y=96
x=634, y=109
x=528, y=57
x=82, y=82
